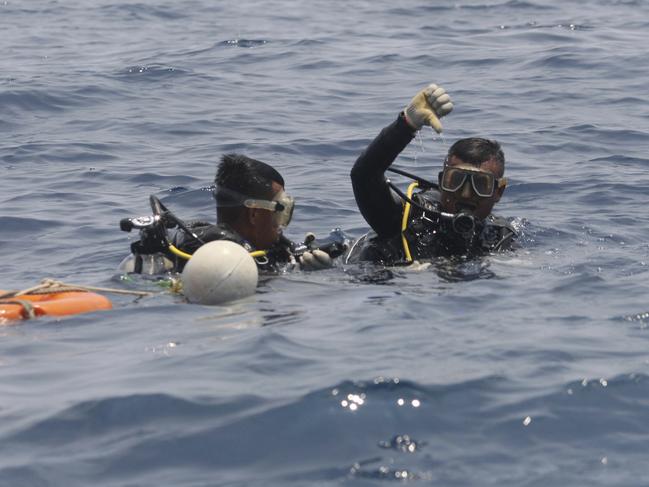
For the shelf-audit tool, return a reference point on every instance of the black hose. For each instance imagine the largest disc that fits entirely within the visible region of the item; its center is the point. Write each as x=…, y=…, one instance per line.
x=403, y=196
x=161, y=210
x=425, y=184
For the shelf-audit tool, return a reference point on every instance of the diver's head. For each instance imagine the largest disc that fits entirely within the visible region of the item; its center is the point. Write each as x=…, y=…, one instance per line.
x=472, y=179
x=250, y=198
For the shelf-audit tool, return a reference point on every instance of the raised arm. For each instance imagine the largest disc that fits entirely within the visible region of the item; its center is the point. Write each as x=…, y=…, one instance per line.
x=380, y=207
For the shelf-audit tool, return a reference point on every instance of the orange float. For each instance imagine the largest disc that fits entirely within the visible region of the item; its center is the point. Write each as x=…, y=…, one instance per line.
x=61, y=303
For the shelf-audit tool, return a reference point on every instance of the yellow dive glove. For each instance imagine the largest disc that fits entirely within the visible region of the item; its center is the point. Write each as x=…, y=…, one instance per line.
x=427, y=107
x=315, y=260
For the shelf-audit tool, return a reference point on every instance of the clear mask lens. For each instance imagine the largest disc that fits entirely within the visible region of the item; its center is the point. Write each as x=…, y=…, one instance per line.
x=453, y=179
x=282, y=207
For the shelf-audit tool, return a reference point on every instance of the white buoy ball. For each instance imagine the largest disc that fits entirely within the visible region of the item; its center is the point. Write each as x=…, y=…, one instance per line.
x=219, y=271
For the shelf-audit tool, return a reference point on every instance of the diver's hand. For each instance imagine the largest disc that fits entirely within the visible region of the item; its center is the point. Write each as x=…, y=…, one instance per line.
x=427, y=107
x=314, y=260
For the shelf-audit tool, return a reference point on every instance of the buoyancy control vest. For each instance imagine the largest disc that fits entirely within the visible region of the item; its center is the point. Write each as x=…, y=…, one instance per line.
x=432, y=233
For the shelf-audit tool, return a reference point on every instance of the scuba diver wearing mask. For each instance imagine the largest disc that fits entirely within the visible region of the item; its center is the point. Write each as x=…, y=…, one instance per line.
x=252, y=209
x=451, y=217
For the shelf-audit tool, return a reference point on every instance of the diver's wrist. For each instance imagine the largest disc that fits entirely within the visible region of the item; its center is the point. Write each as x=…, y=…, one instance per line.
x=408, y=122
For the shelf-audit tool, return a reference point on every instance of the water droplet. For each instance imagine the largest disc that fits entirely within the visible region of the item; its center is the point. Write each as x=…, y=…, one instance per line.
x=527, y=421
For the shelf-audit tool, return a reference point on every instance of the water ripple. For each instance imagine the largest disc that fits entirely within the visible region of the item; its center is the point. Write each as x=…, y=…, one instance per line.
x=151, y=72
x=243, y=43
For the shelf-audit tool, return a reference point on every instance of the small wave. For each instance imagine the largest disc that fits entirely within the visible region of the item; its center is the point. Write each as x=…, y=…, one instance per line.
x=151, y=72
x=402, y=443
x=612, y=134
x=150, y=178
x=139, y=11
x=511, y=5
x=622, y=160
x=113, y=415
x=568, y=26
x=184, y=54
x=642, y=318
x=507, y=5
x=65, y=153
x=384, y=428
x=19, y=227
x=33, y=100
x=557, y=59
x=288, y=317
x=580, y=411
x=243, y=43
x=448, y=269
x=309, y=42
x=430, y=9
x=378, y=469
x=381, y=59
x=318, y=65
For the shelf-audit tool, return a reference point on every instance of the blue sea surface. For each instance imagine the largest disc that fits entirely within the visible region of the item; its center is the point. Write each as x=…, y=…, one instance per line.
x=528, y=368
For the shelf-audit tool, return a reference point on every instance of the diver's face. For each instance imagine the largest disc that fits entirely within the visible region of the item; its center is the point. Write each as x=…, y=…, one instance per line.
x=265, y=230
x=465, y=198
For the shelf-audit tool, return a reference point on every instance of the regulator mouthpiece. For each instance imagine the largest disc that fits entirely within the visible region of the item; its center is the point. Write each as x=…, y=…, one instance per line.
x=464, y=224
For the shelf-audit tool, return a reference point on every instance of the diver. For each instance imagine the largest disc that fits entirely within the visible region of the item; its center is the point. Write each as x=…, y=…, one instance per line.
x=252, y=209
x=447, y=218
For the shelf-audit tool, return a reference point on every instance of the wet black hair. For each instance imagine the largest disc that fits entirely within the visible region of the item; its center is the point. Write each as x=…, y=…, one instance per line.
x=239, y=177
x=476, y=150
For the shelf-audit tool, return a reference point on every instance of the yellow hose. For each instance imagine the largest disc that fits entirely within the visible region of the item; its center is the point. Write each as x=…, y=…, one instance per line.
x=179, y=252
x=186, y=256
x=404, y=221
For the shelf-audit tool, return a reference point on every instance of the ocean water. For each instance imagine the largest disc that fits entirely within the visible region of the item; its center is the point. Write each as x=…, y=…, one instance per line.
x=524, y=369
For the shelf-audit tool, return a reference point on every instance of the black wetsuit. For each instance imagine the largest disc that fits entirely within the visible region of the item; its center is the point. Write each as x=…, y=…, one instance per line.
x=383, y=210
